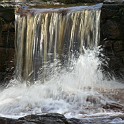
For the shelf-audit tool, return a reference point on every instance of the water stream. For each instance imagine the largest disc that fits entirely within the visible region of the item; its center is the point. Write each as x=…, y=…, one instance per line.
x=45, y=35
x=59, y=65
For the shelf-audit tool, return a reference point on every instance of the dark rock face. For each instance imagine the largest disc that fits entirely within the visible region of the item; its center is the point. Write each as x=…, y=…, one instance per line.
x=111, y=30
x=112, y=38
x=7, y=34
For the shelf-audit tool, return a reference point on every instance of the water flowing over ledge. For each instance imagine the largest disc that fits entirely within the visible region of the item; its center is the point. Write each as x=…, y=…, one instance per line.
x=48, y=34
x=59, y=8
x=76, y=90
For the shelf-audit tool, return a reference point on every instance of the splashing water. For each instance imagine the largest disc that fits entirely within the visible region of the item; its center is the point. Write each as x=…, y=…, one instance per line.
x=71, y=91
x=75, y=86
x=43, y=35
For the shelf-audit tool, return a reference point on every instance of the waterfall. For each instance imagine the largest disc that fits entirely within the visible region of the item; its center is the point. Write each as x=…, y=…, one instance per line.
x=57, y=49
x=47, y=34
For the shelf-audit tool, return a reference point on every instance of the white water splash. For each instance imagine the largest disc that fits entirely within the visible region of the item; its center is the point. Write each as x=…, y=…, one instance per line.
x=71, y=93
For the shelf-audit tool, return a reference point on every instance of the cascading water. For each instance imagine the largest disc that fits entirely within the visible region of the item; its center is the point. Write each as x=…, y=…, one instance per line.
x=48, y=34
x=57, y=50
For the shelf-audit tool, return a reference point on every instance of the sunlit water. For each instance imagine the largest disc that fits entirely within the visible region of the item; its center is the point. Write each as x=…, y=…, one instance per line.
x=74, y=91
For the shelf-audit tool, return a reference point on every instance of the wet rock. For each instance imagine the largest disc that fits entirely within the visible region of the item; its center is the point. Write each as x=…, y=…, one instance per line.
x=1, y=76
x=76, y=121
x=4, y=120
x=8, y=27
x=7, y=37
x=112, y=21
x=118, y=46
x=2, y=59
x=6, y=63
x=53, y=118
x=114, y=106
x=7, y=13
x=112, y=38
x=110, y=11
x=111, y=30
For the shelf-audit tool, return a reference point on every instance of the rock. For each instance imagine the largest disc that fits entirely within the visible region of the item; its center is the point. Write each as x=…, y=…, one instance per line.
x=53, y=118
x=7, y=63
x=112, y=38
x=112, y=19
x=2, y=59
x=118, y=46
x=111, y=30
x=7, y=37
x=114, y=106
x=6, y=121
x=76, y=121
x=7, y=14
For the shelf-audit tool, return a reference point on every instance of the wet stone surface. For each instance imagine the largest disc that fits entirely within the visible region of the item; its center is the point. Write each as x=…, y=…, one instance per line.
x=55, y=118
x=7, y=36
x=112, y=38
